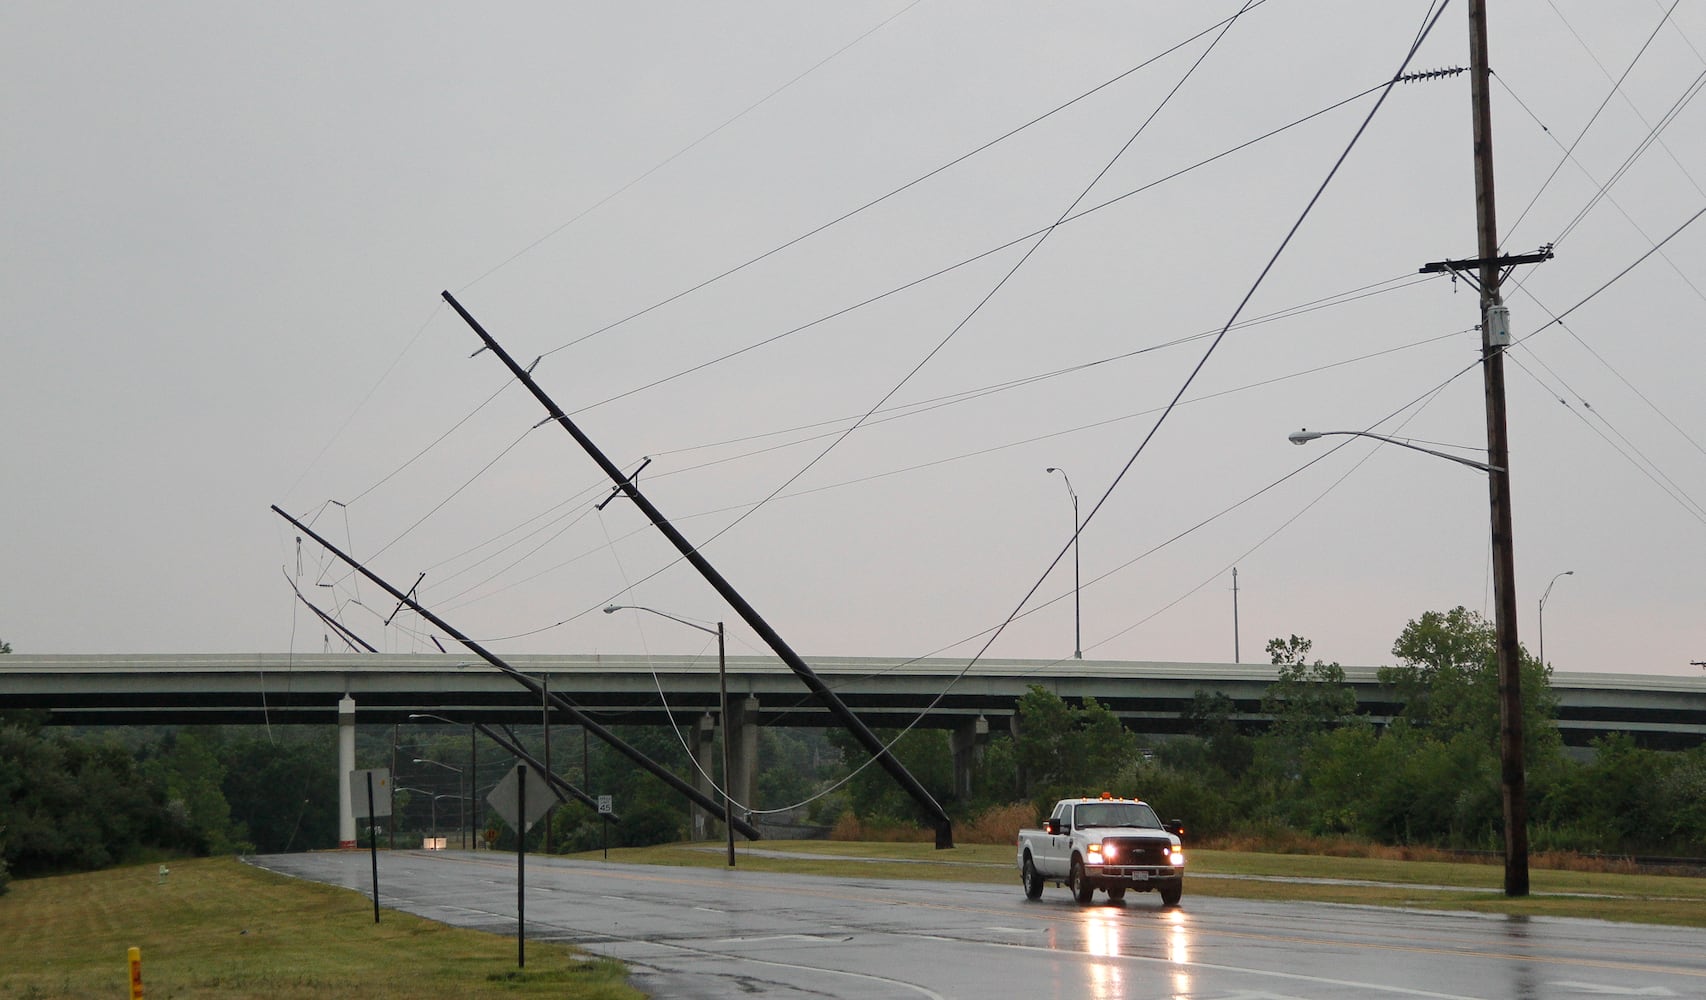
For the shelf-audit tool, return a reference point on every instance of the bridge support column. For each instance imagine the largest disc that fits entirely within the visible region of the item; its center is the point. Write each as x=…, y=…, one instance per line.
x=705, y=826
x=1020, y=781
x=741, y=730
x=967, y=752
x=346, y=764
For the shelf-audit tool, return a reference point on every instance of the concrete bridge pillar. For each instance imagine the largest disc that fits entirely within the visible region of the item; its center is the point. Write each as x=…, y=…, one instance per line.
x=704, y=756
x=346, y=764
x=741, y=730
x=967, y=752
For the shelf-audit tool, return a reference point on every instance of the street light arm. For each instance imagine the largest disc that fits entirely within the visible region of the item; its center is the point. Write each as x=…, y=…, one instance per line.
x=447, y=767
x=1548, y=593
x=613, y=608
x=1300, y=437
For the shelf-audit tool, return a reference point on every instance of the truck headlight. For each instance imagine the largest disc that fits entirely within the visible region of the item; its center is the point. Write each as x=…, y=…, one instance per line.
x=1176, y=857
x=1093, y=855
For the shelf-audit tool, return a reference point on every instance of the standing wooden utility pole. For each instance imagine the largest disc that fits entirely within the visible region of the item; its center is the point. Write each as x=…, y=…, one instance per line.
x=1495, y=336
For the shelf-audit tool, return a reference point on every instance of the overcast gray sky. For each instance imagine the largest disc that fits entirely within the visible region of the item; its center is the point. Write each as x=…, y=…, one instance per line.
x=226, y=227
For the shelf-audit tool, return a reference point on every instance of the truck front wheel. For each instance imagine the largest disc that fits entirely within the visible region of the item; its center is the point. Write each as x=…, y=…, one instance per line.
x=1031, y=880
x=1170, y=894
x=1082, y=890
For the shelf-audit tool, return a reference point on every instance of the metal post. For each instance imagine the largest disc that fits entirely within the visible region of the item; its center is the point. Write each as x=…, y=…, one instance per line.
x=1235, y=658
x=1542, y=616
x=1513, y=780
x=545, y=720
x=1077, y=606
x=373, y=845
x=723, y=699
x=473, y=785
x=520, y=868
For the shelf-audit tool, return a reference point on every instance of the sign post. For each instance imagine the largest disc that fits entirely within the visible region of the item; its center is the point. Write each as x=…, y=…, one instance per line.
x=512, y=801
x=605, y=807
x=377, y=783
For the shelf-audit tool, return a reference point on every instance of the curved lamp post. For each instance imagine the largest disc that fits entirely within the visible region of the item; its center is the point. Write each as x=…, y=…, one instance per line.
x=1543, y=597
x=723, y=706
x=461, y=803
x=1077, y=616
x=473, y=773
x=1512, y=778
x=1305, y=435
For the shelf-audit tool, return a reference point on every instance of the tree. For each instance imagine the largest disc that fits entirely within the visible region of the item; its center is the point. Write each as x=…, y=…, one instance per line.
x=1307, y=697
x=1062, y=748
x=1448, y=682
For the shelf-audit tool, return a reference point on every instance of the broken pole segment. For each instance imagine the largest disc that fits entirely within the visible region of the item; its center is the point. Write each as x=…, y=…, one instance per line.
x=748, y=614
x=668, y=777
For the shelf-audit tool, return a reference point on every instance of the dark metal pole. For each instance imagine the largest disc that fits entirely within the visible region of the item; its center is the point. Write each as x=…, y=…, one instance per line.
x=473, y=789
x=830, y=700
x=728, y=790
x=545, y=720
x=521, y=868
x=664, y=774
x=1077, y=600
x=1235, y=657
x=373, y=844
x=393, y=824
x=1513, y=781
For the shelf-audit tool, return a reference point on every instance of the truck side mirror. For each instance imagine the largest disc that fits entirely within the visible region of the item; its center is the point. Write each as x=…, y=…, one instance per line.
x=1176, y=827
x=1051, y=827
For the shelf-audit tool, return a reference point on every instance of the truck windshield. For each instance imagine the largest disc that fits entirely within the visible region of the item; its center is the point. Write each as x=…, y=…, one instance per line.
x=1117, y=814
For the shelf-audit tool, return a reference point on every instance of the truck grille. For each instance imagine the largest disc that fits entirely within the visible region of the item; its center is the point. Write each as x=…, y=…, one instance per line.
x=1135, y=851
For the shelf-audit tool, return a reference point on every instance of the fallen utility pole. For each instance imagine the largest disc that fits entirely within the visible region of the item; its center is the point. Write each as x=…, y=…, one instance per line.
x=624, y=483
x=669, y=778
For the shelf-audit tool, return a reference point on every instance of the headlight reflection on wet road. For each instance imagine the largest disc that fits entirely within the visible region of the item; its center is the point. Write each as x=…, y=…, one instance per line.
x=1102, y=938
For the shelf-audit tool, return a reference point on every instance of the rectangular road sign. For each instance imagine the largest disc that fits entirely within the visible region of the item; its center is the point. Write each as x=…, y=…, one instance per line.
x=381, y=792
x=605, y=805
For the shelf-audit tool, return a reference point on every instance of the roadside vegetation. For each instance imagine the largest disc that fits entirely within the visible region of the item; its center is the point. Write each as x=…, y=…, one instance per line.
x=1319, y=778
x=218, y=928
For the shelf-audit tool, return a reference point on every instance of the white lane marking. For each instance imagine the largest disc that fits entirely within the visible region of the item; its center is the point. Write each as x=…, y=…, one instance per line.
x=1602, y=989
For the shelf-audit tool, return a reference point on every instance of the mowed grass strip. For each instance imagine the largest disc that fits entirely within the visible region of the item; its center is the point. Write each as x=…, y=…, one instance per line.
x=219, y=928
x=1438, y=885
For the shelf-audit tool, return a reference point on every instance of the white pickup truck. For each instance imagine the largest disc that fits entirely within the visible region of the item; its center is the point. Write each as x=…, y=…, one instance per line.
x=1106, y=843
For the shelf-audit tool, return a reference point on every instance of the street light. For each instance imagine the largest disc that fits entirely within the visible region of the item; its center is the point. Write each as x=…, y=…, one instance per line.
x=1077, y=612
x=723, y=706
x=434, y=798
x=1299, y=437
x=472, y=841
x=462, y=815
x=1513, y=780
x=1543, y=597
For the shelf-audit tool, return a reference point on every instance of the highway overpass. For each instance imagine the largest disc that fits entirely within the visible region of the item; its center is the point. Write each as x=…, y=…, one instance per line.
x=381, y=689
x=1150, y=697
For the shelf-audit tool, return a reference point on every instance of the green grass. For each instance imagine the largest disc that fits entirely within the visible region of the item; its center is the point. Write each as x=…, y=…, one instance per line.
x=219, y=928
x=1437, y=885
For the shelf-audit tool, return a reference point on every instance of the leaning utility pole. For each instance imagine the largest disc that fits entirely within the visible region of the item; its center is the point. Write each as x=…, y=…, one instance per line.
x=626, y=486
x=1495, y=336
x=538, y=690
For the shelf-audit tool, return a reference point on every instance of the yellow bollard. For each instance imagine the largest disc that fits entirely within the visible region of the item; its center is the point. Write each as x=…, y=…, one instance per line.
x=136, y=974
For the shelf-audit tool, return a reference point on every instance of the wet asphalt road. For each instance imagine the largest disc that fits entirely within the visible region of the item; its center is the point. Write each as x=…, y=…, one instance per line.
x=714, y=933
